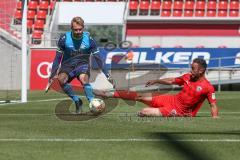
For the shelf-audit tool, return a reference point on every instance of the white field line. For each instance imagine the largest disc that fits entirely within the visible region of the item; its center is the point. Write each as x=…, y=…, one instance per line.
x=108, y=114
x=57, y=99
x=34, y=101
x=115, y=140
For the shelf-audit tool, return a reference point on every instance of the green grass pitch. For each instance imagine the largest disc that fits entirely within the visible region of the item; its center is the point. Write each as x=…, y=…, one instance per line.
x=33, y=131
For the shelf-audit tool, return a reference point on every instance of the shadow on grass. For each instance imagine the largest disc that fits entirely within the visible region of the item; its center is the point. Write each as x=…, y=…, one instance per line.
x=187, y=150
x=62, y=111
x=197, y=132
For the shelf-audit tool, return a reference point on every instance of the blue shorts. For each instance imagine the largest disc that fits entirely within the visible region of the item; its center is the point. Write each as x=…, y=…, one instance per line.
x=74, y=71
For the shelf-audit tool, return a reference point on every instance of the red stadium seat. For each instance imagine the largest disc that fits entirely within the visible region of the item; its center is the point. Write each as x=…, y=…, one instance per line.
x=133, y=6
x=211, y=13
x=31, y=15
x=188, y=8
x=44, y=5
x=222, y=5
x=18, y=17
x=166, y=13
x=177, y=13
x=39, y=25
x=37, y=37
x=36, y=1
x=188, y=13
x=177, y=8
x=222, y=13
x=234, y=4
x=143, y=7
x=212, y=4
x=19, y=5
x=32, y=5
x=200, y=5
x=42, y=14
x=199, y=13
x=166, y=8
x=233, y=13
x=155, y=7
x=189, y=4
x=166, y=5
x=178, y=5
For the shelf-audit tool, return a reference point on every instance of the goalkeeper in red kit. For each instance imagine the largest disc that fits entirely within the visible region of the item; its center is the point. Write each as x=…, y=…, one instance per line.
x=196, y=88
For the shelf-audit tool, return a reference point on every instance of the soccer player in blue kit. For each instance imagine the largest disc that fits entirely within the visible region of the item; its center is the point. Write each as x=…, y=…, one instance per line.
x=73, y=53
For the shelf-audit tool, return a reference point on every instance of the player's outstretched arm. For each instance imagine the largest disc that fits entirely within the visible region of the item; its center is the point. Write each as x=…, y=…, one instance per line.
x=55, y=65
x=58, y=57
x=54, y=70
x=214, y=110
x=167, y=81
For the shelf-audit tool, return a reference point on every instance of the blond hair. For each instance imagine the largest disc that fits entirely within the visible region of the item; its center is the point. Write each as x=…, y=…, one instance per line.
x=77, y=20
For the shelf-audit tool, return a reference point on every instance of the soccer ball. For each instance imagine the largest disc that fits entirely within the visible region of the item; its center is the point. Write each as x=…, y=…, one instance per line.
x=97, y=106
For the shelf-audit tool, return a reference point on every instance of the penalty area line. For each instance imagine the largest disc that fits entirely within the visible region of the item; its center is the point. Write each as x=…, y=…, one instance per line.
x=34, y=101
x=108, y=114
x=117, y=140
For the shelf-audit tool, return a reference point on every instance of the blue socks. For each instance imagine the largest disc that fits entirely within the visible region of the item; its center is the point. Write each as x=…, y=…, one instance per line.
x=88, y=92
x=67, y=88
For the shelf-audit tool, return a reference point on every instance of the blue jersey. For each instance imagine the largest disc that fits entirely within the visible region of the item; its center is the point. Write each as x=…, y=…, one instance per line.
x=75, y=51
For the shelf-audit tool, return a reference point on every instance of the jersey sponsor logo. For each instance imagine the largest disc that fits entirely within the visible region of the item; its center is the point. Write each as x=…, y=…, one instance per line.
x=199, y=88
x=159, y=58
x=83, y=46
x=173, y=112
x=213, y=96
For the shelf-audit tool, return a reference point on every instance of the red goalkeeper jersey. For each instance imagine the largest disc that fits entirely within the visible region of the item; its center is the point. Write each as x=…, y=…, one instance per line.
x=193, y=94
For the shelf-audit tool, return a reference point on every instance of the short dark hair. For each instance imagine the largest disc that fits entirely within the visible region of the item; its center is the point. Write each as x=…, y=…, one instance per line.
x=201, y=62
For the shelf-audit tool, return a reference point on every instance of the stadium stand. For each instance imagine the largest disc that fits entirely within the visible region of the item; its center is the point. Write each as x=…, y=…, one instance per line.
x=143, y=7
x=147, y=23
x=155, y=7
x=198, y=8
x=133, y=7
x=39, y=11
x=7, y=11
